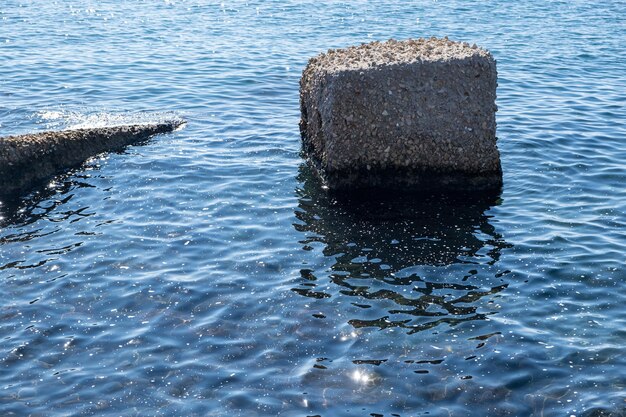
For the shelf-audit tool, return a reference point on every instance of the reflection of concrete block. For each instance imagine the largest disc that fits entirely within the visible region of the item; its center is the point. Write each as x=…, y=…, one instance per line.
x=403, y=114
x=28, y=159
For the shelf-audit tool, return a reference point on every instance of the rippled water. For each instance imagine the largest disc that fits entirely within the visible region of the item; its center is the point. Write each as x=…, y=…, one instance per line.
x=206, y=273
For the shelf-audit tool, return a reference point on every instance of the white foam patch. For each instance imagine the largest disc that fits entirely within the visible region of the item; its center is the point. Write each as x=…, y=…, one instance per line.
x=56, y=119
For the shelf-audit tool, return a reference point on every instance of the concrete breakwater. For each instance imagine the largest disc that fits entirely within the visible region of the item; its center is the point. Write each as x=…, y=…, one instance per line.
x=414, y=114
x=27, y=160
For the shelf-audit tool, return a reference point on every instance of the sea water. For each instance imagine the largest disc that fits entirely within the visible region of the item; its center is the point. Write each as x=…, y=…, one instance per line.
x=207, y=273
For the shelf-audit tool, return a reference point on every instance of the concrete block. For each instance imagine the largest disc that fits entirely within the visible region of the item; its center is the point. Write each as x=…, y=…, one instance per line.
x=416, y=114
x=26, y=160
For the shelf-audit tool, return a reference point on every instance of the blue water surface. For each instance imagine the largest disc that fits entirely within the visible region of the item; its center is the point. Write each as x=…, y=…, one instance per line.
x=206, y=273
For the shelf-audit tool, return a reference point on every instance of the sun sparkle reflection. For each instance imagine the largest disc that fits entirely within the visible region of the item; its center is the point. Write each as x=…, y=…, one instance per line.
x=361, y=377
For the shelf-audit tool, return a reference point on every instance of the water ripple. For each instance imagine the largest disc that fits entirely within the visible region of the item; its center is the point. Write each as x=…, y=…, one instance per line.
x=206, y=272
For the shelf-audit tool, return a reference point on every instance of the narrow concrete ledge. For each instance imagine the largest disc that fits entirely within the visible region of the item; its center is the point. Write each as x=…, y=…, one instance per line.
x=416, y=114
x=27, y=160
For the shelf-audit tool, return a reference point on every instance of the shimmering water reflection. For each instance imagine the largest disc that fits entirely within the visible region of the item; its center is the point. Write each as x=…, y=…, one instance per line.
x=206, y=273
x=406, y=261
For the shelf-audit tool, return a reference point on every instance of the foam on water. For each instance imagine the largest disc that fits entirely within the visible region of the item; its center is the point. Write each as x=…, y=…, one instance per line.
x=62, y=118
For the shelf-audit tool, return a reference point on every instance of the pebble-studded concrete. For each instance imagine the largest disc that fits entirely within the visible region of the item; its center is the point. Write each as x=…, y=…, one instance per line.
x=417, y=113
x=29, y=159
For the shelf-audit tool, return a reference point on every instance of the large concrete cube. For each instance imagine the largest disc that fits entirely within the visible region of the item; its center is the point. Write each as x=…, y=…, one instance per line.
x=416, y=114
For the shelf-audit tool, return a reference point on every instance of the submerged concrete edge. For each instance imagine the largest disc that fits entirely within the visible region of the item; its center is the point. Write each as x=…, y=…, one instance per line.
x=27, y=160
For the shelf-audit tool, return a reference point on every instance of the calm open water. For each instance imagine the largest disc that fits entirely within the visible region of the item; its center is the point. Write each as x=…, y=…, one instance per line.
x=206, y=273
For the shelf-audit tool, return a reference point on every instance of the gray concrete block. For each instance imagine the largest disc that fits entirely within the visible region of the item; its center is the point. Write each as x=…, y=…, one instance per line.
x=26, y=160
x=416, y=114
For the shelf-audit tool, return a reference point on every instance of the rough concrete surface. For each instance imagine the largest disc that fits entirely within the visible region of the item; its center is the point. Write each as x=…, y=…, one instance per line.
x=26, y=160
x=415, y=113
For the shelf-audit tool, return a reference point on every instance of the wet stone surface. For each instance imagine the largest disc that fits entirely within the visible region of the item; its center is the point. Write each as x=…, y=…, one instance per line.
x=416, y=113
